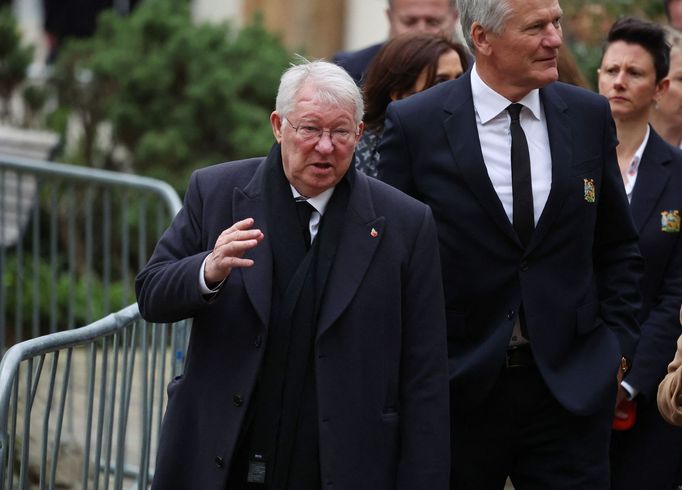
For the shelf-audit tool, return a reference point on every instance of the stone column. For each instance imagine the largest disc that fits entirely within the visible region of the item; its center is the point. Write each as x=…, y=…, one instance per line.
x=311, y=28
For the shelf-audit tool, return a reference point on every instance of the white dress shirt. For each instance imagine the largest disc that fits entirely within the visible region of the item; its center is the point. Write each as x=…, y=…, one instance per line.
x=492, y=122
x=318, y=202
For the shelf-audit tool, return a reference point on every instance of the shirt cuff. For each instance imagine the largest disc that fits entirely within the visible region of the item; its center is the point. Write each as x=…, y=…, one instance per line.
x=202, y=282
x=630, y=391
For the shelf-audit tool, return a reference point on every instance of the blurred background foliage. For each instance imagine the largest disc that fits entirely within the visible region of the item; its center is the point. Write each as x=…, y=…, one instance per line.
x=15, y=58
x=158, y=95
x=586, y=23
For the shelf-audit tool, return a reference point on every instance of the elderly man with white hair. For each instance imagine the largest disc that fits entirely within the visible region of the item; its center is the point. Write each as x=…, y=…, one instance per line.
x=317, y=357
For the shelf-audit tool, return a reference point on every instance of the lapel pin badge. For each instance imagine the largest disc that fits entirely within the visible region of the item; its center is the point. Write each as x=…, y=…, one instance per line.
x=590, y=193
x=374, y=233
x=670, y=221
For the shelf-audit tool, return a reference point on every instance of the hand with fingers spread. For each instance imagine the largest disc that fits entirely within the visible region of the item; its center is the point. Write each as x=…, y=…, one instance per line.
x=229, y=249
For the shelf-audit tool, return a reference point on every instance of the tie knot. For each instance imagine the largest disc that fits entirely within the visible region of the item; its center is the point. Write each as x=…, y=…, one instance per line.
x=304, y=206
x=305, y=210
x=514, y=111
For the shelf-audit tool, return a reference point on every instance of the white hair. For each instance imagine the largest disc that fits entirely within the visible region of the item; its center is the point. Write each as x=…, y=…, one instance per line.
x=491, y=14
x=333, y=85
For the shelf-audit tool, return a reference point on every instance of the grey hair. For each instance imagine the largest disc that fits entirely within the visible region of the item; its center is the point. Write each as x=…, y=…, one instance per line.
x=673, y=37
x=333, y=85
x=453, y=4
x=491, y=14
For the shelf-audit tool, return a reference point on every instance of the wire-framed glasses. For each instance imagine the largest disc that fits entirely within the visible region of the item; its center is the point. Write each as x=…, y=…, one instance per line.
x=309, y=132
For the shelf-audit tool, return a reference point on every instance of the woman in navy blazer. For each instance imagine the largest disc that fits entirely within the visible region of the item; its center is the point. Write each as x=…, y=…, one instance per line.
x=648, y=453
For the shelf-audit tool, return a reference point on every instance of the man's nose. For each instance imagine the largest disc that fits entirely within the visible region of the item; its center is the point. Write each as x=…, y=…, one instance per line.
x=554, y=37
x=325, y=145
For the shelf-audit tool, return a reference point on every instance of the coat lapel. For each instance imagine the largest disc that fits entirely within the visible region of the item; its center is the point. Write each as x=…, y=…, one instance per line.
x=362, y=232
x=258, y=278
x=462, y=135
x=560, y=143
x=651, y=179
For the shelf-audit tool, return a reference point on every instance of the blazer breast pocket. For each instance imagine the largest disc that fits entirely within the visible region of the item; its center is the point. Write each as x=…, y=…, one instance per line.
x=588, y=166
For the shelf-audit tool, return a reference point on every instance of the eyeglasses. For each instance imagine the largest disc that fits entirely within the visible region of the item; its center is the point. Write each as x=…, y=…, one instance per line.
x=309, y=132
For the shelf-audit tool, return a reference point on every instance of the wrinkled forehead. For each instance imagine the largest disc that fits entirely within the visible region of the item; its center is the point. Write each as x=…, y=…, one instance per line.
x=321, y=102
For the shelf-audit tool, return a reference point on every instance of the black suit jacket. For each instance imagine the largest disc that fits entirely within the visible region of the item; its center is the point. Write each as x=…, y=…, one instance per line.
x=656, y=206
x=577, y=279
x=380, y=354
x=357, y=62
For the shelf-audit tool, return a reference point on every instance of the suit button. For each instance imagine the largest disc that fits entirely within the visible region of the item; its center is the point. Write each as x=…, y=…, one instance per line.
x=511, y=314
x=219, y=462
x=524, y=266
x=237, y=400
x=258, y=342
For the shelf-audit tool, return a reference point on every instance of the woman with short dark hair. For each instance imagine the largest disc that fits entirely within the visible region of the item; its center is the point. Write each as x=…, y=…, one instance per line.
x=646, y=452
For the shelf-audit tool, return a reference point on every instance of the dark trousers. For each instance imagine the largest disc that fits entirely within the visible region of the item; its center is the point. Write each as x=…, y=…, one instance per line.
x=648, y=456
x=521, y=431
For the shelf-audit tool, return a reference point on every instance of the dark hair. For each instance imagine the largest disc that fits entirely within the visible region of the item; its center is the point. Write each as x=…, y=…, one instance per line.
x=397, y=66
x=648, y=35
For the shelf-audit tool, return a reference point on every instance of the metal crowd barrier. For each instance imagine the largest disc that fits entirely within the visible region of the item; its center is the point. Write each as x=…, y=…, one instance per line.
x=80, y=407
x=71, y=240
x=107, y=379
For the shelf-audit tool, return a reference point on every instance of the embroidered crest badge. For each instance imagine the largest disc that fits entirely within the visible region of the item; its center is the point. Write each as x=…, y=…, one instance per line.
x=670, y=221
x=590, y=193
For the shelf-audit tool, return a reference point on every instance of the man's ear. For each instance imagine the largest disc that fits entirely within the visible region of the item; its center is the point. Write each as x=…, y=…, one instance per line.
x=276, y=123
x=479, y=38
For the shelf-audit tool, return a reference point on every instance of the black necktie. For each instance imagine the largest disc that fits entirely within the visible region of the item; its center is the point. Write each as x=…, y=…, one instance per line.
x=521, y=180
x=305, y=210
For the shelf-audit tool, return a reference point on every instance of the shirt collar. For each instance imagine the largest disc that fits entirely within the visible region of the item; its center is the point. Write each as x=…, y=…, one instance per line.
x=319, y=202
x=637, y=157
x=489, y=104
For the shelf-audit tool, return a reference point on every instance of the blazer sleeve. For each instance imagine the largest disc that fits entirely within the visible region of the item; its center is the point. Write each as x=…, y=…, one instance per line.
x=659, y=330
x=669, y=391
x=394, y=164
x=168, y=286
x=424, y=394
x=617, y=260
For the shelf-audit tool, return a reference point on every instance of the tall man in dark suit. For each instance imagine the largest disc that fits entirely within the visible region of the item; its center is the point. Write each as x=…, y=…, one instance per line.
x=432, y=16
x=317, y=357
x=539, y=253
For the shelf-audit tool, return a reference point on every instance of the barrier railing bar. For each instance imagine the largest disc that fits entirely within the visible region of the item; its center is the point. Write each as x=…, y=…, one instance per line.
x=46, y=418
x=94, y=175
x=60, y=418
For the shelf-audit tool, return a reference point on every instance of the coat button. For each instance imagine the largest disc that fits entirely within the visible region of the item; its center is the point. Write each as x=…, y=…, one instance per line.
x=219, y=462
x=237, y=400
x=258, y=342
x=511, y=314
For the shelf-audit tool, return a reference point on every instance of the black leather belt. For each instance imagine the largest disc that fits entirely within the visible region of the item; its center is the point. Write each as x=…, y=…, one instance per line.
x=520, y=356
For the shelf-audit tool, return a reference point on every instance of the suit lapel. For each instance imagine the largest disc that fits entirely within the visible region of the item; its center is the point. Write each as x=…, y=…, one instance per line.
x=362, y=232
x=258, y=278
x=652, y=177
x=560, y=144
x=465, y=145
